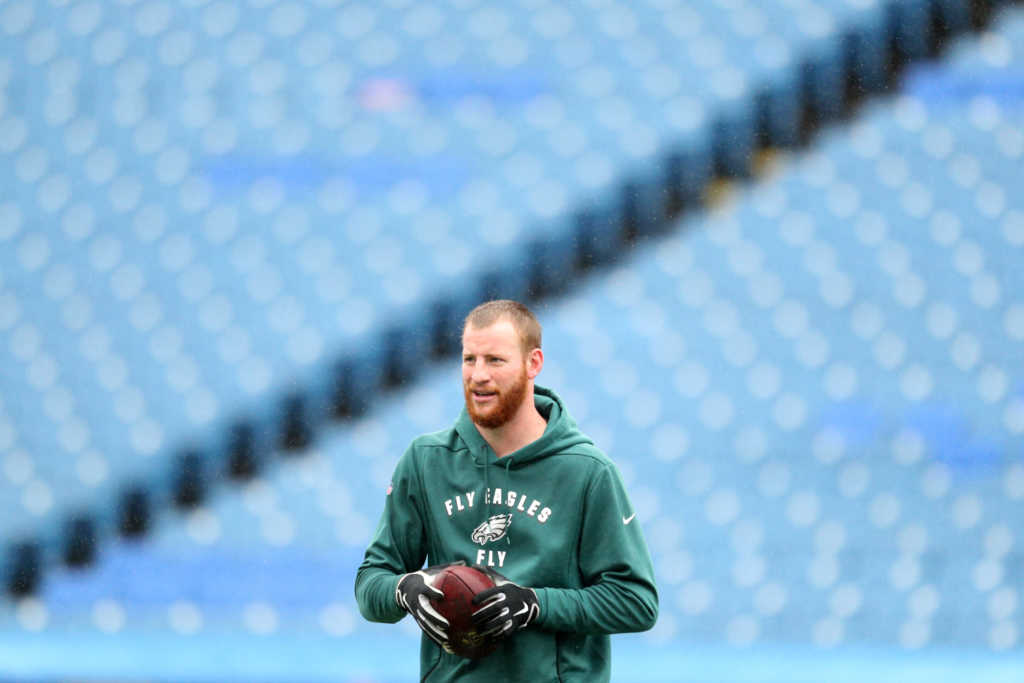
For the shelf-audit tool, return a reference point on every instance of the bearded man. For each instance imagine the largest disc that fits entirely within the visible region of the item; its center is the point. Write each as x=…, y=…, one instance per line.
x=517, y=489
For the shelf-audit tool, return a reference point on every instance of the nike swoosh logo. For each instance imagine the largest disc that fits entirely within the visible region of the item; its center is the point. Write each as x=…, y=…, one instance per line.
x=627, y=520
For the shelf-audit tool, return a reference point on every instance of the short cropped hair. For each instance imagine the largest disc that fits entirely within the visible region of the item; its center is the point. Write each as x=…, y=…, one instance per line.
x=521, y=317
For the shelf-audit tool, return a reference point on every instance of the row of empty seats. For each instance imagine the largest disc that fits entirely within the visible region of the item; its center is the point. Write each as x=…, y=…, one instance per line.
x=217, y=226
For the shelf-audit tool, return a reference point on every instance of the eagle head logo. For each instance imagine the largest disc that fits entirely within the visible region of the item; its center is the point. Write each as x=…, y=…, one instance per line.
x=493, y=529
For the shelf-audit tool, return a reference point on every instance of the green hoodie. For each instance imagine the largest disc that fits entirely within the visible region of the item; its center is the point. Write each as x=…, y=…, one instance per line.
x=553, y=516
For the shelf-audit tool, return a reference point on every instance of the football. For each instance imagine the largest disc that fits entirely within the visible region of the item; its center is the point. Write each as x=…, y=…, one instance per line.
x=459, y=584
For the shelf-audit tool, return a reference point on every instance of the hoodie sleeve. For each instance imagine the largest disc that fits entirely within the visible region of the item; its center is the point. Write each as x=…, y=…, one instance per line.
x=619, y=594
x=398, y=546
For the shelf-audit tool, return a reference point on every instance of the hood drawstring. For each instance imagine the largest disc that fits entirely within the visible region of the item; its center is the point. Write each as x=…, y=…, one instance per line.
x=487, y=487
x=508, y=463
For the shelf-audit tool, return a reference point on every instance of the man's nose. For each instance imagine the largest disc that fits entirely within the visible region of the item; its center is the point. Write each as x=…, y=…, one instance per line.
x=479, y=374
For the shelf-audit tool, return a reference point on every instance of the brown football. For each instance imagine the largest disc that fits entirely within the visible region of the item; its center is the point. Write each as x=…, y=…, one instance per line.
x=459, y=584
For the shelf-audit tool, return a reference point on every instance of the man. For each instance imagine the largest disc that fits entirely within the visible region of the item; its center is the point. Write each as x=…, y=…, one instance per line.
x=516, y=488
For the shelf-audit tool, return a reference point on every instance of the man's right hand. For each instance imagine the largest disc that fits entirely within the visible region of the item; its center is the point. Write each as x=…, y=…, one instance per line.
x=414, y=593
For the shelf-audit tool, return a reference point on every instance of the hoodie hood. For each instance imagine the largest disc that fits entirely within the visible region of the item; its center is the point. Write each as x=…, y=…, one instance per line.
x=560, y=434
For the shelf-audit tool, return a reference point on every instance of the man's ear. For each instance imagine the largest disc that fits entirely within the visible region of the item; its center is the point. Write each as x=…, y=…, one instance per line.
x=534, y=363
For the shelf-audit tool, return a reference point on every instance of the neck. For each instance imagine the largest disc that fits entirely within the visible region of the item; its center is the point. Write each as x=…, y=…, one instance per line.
x=524, y=428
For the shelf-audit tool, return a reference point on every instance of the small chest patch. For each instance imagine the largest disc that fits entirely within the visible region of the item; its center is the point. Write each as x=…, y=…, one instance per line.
x=493, y=529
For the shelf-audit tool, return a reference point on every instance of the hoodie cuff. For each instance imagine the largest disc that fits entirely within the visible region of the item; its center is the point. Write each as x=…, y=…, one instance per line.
x=394, y=591
x=542, y=600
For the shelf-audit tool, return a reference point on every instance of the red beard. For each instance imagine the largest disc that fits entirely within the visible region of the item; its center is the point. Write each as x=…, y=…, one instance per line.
x=507, y=404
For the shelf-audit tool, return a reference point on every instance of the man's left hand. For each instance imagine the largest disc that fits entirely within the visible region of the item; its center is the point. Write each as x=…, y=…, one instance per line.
x=505, y=609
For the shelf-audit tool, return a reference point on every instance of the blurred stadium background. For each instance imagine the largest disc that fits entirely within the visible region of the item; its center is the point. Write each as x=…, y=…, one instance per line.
x=776, y=246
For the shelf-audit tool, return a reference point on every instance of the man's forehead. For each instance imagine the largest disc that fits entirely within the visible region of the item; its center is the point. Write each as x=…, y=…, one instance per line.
x=499, y=333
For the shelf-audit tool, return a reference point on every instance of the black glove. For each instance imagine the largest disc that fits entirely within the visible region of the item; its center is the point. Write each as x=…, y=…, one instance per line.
x=414, y=592
x=505, y=609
